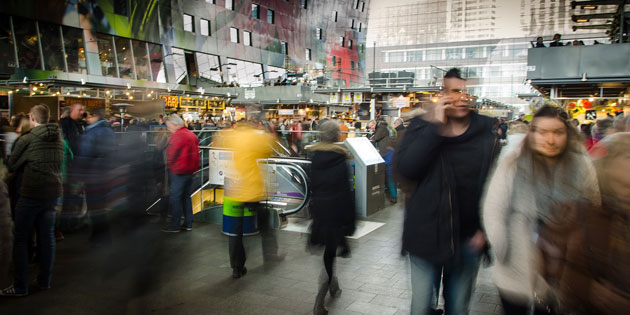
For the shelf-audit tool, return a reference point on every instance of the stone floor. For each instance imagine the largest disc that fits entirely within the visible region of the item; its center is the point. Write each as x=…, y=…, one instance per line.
x=149, y=272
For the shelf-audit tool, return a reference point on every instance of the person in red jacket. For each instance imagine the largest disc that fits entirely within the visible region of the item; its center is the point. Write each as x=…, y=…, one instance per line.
x=182, y=162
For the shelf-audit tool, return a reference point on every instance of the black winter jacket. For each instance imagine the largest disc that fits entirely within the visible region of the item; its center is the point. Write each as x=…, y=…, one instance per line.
x=332, y=201
x=432, y=222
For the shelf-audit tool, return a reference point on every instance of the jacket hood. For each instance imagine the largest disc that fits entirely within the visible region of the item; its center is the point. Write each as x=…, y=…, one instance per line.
x=48, y=132
x=100, y=123
x=326, y=155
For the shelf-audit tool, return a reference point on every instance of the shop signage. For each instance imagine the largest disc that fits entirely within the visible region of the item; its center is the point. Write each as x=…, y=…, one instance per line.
x=285, y=112
x=591, y=115
x=400, y=102
x=170, y=101
x=173, y=102
x=334, y=98
x=358, y=97
x=89, y=103
x=250, y=94
x=347, y=98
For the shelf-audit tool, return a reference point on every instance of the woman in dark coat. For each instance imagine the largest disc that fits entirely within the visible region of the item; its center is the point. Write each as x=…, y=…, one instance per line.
x=332, y=205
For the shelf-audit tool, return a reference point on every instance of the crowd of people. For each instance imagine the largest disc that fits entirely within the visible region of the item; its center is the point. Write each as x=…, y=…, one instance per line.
x=545, y=201
x=557, y=42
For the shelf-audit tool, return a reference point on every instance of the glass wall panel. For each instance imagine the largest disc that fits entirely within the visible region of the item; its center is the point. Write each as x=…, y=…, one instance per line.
x=275, y=72
x=75, y=49
x=244, y=73
x=7, y=52
x=125, y=62
x=142, y=60
x=106, y=55
x=206, y=63
x=396, y=56
x=179, y=63
x=433, y=54
x=157, y=63
x=474, y=52
x=50, y=36
x=27, y=43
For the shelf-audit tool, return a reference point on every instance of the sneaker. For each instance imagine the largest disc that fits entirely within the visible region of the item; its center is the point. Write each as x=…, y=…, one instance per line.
x=11, y=292
x=169, y=230
x=185, y=228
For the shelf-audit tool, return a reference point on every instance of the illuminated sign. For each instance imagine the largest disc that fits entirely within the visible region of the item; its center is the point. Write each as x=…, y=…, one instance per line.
x=170, y=101
x=174, y=102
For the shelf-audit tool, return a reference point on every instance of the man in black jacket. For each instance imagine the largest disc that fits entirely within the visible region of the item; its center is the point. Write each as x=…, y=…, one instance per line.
x=447, y=152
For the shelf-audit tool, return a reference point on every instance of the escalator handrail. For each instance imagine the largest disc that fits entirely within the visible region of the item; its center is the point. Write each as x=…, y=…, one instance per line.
x=301, y=173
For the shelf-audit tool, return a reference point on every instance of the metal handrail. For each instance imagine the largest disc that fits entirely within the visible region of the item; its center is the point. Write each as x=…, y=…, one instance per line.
x=290, y=163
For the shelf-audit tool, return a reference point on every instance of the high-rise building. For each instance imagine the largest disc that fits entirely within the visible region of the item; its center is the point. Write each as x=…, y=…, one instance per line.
x=487, y=39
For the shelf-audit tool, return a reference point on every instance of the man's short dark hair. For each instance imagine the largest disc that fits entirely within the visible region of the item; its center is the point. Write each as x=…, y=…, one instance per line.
x=40, y=113
x=98, y=112
x=454, y=73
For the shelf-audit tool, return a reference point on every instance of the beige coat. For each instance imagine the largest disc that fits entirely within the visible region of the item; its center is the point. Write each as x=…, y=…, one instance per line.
x=513, y=243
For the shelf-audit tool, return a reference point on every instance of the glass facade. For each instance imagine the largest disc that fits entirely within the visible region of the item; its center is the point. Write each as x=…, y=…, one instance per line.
x=50, y=36
x=106, y=55
x=27, y=43
x=125, y=58
x=487, y=39
x=7, y=52
x=141, y=57
x=209, y=68
x=157, y=63
x=74, y=49
x=244, y=73
x=179, y=63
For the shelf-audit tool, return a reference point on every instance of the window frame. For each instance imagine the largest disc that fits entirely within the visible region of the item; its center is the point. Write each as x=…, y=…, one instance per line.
x=256, y=9
x=271, y=15
x=192, y=22
x=335, y=15
x=318, y=33
x=247, y=38
x=207, y=28
x=229, y=4
x=308, y=54
x=284, y=48
x=234, y=31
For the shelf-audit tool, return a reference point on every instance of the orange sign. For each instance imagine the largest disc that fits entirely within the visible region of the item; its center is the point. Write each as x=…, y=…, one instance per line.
x=170, y=101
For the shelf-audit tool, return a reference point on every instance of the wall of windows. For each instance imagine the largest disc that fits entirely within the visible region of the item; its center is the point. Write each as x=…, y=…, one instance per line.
x=244, y=73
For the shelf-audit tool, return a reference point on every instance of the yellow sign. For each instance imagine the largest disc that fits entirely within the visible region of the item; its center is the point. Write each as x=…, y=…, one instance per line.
x=170, y=101
x=173, y=102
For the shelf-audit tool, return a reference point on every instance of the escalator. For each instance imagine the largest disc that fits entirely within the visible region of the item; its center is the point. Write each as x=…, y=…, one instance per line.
x=286, y=182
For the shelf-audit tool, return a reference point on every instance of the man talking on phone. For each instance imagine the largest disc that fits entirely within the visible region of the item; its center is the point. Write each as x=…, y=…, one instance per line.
x=447, y=152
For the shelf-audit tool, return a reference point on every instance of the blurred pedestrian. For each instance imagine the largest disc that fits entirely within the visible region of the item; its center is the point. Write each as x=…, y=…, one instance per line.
x=182, y=161
x=548, y=169
x=6, y=229
x=556, y=41
x=448, y=152
x=381, y=133
x=245, y=188
x=332, y=206
x=93, y=161
x=539, y=42
x=40, y=153
x=595, y=277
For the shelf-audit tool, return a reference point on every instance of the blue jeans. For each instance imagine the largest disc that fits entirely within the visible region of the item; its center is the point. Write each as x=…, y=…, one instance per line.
x=460, y=273
x=179, y=199
x=39, y=215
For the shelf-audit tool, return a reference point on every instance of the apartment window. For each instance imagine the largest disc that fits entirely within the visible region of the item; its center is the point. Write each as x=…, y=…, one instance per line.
x=352, y=65
x=121, y=7
x=334, y=15
x=308, y=54
x=339, y=62
x=204, y=27
x=75, y=51
x=234, y=35
x=318, y=33
x=270, y=17
x=360, y=26
x=304, y=4
x=229, y=4
x=362, y=6
x=343, y=41
x=333, y=60
x=352, y=23
x=189, y=23
x=255, y=11
x=247, y=38
x=356, y=4
x=50, y=39
x=349, y=43
x=284, y=48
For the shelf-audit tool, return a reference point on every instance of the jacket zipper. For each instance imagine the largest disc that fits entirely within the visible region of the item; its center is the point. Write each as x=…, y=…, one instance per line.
x=450, y=203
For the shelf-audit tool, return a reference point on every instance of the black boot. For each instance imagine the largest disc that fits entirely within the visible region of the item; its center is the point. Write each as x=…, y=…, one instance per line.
x=320, y=301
